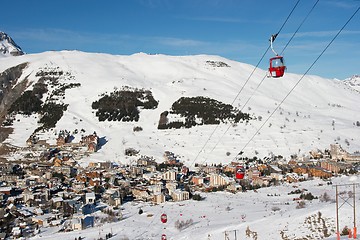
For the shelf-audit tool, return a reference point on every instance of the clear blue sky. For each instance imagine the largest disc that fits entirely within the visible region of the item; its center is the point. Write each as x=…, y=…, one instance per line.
x=234, y=29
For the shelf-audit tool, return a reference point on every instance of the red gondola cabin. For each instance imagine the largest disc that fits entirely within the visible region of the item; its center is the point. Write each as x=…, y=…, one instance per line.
x=277, y=67
x=163, y=218
x=240, y=172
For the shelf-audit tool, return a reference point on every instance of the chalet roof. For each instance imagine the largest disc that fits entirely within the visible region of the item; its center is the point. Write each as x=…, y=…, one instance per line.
x=10, y=206
x=320, y=169
x=33, y=177
x=44, y=217
x=90, y=195
x=275, y=168
x=56, y=222
x=25, y=212
x=74, y=221
x=112, y=189
x=150, y=175
x=57, y=199
x=293, y=175
x=16, y=230
x=38, y=211
x=73, y=201
x=179, y=191
x=5, y=189
x=226, y=178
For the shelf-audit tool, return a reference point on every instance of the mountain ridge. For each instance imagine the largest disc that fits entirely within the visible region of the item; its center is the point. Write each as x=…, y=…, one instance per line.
x=313, y=116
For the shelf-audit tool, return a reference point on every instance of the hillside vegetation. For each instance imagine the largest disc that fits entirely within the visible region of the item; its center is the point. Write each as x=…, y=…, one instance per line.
x=201, y=110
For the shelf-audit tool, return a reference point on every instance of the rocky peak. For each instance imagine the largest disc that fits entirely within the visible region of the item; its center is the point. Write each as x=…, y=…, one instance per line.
x=353, y=81
x=8, y=47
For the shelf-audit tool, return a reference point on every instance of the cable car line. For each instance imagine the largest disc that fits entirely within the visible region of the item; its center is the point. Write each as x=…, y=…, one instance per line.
x=300, y=26
x=287, y=18
x=297, y=83
x=257, y=87
x=277, y=67
x=257, y=65
x=238, y=94
x=282, y=51
x=236, y=97
x=247, y=80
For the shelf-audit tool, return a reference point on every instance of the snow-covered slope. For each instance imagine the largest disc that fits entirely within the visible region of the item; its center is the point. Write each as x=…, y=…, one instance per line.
x=318, y=111
x=8, y=47
x=267, y=214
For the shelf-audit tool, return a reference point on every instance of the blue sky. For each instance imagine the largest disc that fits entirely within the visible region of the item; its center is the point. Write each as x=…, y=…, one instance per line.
x=235, y=29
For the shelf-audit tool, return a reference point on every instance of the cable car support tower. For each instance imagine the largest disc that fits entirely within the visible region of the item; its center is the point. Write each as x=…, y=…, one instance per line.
x=345, y=200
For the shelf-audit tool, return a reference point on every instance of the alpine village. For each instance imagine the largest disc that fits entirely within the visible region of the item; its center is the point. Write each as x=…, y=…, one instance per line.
x=48, y=187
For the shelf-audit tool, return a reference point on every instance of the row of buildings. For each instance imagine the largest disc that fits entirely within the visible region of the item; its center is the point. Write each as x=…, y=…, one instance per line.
x=55, y=191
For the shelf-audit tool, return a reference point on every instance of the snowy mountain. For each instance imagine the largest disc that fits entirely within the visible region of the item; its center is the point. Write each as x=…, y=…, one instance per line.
x=353, y=82
x=8, y=47
x=136, y=102
x=283, y=120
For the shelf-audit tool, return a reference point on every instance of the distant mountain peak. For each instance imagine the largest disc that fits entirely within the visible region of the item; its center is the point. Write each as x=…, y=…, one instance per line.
x=355, y=77
x=8, y=47
x=353, y=81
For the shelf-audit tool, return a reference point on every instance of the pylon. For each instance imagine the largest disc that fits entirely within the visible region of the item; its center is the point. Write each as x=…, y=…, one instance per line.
x=354, y=235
